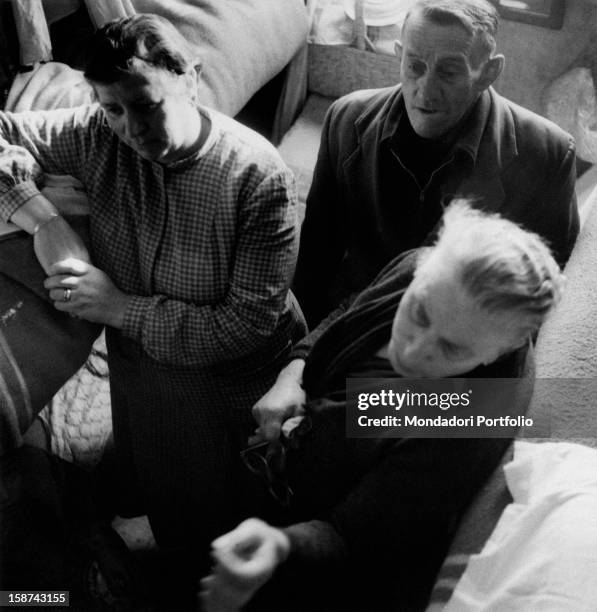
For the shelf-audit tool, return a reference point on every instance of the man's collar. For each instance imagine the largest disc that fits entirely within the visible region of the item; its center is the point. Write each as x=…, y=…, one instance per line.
x=395, y=114
x=473, y=127
x=471, y=132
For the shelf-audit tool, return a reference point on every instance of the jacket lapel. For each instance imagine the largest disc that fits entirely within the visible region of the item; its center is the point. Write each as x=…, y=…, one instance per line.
x=496, y=152
x=361, y=168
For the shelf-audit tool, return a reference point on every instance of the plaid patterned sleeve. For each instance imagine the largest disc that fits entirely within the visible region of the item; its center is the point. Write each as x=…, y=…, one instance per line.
x=15, y=197
x=244, y=321
x=34, y=142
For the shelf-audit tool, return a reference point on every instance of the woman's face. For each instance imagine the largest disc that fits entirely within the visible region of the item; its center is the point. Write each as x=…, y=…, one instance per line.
x=153, y=112
x=440, y=331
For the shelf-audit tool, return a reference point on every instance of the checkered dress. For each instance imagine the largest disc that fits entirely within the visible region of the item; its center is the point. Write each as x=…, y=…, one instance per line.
x=207, y=247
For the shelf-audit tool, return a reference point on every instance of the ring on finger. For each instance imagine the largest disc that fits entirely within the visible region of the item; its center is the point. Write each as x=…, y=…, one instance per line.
x=67, y=294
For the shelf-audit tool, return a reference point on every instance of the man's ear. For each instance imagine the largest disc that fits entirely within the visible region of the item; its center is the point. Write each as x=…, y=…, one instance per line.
x=491, y=71
x=398, y=50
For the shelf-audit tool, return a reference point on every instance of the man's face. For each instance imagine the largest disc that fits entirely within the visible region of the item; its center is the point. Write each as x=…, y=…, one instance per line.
x=442, y=75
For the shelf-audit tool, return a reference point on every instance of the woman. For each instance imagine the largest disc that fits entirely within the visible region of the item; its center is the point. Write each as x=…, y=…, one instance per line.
x=193, y=238
x=382, y=510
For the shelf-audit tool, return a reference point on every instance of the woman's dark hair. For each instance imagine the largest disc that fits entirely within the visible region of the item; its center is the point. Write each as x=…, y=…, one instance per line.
x=145, y=37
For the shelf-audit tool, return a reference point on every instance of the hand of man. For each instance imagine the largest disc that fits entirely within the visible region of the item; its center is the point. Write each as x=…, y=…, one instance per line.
x=56, y=241
x=284, y=400
x=245, y=560
x=84, y=291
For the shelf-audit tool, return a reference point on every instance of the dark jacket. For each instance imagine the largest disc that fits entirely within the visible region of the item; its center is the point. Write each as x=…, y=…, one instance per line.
x=520, y=165
x=379, y=510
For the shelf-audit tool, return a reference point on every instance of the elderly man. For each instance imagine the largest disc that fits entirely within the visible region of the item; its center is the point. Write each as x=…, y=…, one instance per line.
x=391, y=158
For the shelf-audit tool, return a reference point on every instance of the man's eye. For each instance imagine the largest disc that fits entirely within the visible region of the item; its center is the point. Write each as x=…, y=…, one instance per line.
x=416, y=68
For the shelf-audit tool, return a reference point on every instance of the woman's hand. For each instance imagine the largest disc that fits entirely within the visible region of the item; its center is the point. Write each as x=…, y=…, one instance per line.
x=84, y=291
x=245, y=559
x=284, y=400
x=56, y=241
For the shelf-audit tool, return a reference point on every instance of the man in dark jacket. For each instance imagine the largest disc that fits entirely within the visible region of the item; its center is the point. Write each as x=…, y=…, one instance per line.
x=391, y=158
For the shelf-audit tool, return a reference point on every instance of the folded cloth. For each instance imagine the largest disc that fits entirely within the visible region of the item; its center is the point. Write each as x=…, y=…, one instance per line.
x=542, y=555
x=51, y=85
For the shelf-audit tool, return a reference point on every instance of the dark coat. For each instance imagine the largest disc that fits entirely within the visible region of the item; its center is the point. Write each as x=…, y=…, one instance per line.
x=355, y=223
x=389, y=505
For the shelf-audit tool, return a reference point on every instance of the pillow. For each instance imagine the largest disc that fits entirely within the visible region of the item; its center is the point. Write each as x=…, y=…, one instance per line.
x=242, y=44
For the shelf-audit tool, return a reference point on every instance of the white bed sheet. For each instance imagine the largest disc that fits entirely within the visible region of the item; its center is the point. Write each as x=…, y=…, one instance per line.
x=542, y=555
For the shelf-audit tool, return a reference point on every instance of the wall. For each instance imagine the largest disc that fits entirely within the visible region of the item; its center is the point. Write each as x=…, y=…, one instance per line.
x=535, y=56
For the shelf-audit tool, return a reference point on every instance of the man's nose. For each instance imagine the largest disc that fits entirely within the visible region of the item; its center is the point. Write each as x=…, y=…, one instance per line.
x=427, y=87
